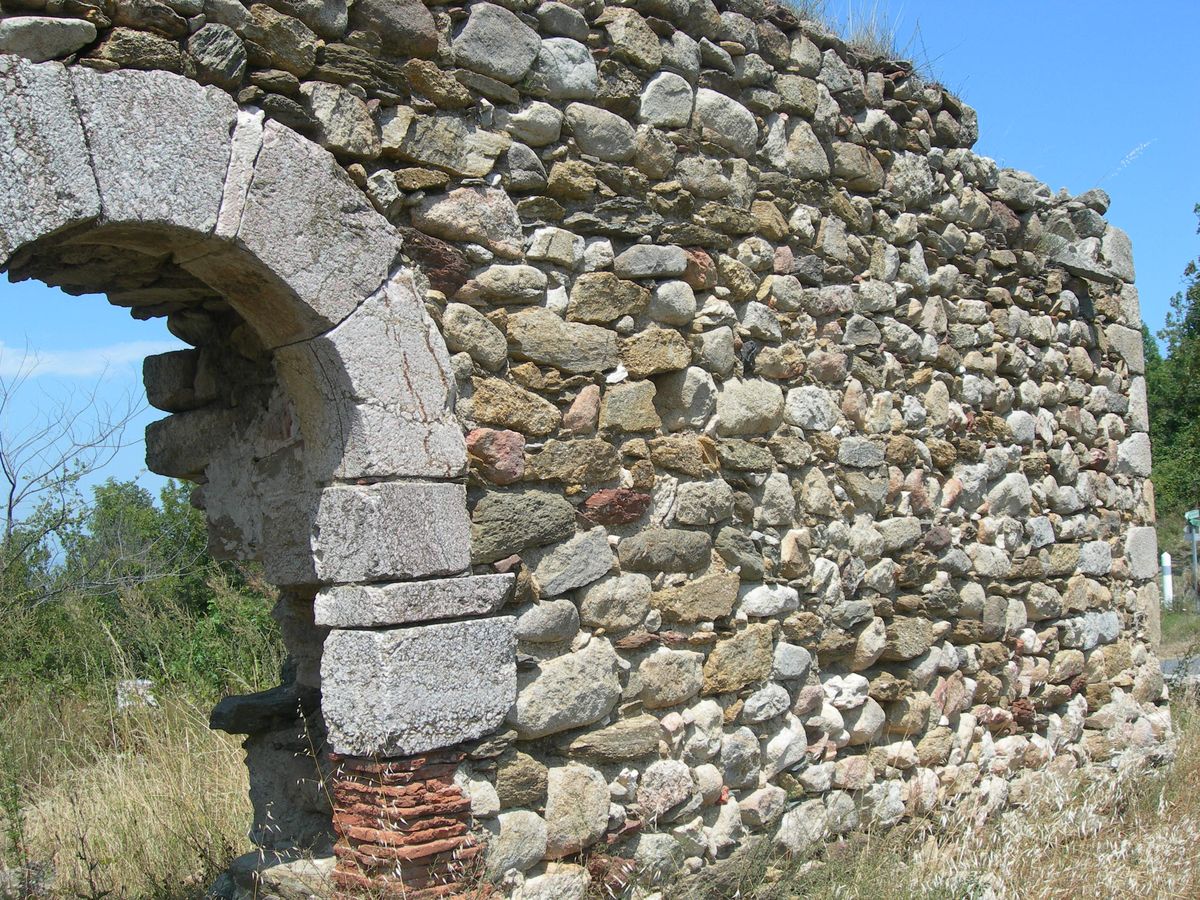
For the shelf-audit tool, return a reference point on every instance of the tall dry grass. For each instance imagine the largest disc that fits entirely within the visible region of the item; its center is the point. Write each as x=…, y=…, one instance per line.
x=142, y=803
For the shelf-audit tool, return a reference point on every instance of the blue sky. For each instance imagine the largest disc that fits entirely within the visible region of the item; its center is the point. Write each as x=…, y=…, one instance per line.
x=1082, y=95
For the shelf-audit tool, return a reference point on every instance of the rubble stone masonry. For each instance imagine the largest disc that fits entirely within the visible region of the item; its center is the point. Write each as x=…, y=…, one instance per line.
x=668, y=434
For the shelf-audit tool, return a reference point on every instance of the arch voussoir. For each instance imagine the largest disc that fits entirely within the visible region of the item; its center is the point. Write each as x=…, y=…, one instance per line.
x=343, y=471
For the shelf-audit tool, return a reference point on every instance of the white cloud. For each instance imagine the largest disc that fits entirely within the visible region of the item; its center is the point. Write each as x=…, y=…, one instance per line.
x=93, y=362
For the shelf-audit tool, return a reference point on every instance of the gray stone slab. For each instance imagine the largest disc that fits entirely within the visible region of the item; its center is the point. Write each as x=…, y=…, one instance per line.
x=306, y=222
x=46, y=180
x=406, y=690
x=374, y=605
x=1141, y=548
x=39, y=38
x=159, y=144
x=391, y=530
x=375, y=394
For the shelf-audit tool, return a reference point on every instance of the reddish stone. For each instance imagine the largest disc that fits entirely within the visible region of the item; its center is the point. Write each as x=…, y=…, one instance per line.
x=584, y=413
x=701, y=271
x=499, y=456
x=616, y=506
x=785, y=260
x=446, y=267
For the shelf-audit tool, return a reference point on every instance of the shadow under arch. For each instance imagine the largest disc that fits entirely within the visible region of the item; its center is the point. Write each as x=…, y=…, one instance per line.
x=316, y=412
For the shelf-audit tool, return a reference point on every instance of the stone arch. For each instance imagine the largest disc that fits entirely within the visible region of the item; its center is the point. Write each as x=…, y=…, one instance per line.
x=345, y=474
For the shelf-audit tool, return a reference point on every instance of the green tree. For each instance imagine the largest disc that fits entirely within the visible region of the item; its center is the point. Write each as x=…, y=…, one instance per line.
x=1173, y=392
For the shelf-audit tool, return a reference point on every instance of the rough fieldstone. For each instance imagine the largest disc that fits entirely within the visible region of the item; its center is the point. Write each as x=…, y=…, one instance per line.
x=219, y=55
x=615, y=603
x=580, y=561
x=1141, y=549
x=666, y=101
x=399, y=692
x=404, y=27
x=537, y=124
x=564, y=70
x=375, y=605
x=630, y=407
x=725, y=122
x=567, y=692
x=738, y=661
x=582, y=461
x=39, y=38
x=810, y=407
x=749, y=406
x=701, y=600
x=537, y=334
x=665, y=550
x=468, y=331
x=651, y=261
x=279, y=41
x=654, y=351
x=625, y=739
x=686, y=399
x=769, y=600
x=448, y=142
x=665, y=784
x=495, y=42
x=496, y=402
x=547, y=622
x=503, y=524
x=517, y=841
x=576, y=811
x=670, y=677
x=479, y=215
x=602, y=297
x=344, y=122
x=600, y=133
x=703, y=502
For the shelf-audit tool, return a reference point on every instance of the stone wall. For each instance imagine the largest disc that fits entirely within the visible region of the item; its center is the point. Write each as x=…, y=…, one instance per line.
x=806, y=447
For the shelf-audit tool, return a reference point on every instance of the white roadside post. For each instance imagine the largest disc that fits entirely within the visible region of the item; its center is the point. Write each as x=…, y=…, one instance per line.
x=1168, y=583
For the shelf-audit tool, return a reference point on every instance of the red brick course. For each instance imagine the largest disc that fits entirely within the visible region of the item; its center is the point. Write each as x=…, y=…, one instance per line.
x=403, y=828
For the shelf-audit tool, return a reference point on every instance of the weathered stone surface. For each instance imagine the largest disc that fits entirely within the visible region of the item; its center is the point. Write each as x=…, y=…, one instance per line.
x=749, y=406
x=623, y=740
x=738, y=661
x=537, y=334
x=382, y=532
x=326, y=242
x=404, y=27
x=191, y=124
x=701, y=600
x=654, y=351
x=39, y=38
x=497, y=402
x=665, y=784
x=580, y=561
x=615, y=603
x=651, y=261
x=576, y=811
x=381, y=404
x=495, y=42
x=448, y=142
x=670, y=677
x=344, y=124
x=602, y=297
x=372, y=606
x=725, y=122
x=547, y=622
x=629, y=407
x=46, y=182
x=479, y=215
x=398, y=692
x=666, y=102
x=600, y=133
x=503, y=524
x=219, y=55
x=468, y=331
x=567, y=692
x=279, y=41
x=564, y=70
x=665, y=550
x=583, y=461
x=517, y=841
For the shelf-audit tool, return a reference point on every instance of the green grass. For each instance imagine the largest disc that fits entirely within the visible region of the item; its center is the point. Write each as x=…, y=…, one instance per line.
x=1180, y=633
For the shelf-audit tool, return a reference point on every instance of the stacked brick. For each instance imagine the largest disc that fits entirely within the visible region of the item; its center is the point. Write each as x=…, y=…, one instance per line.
x=403, y=827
